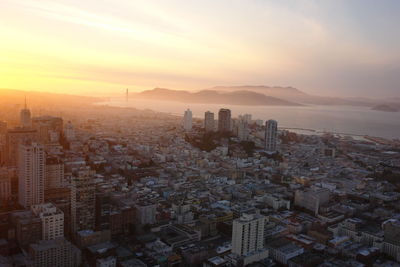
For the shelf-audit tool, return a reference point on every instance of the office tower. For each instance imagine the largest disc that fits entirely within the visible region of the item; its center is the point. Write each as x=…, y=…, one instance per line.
x=224, y=121
x=187, y=120
x=52, y=220
x=5, y=184
x=15, y=137
x=311, y=199
x=248, y=234
x=25, y=117
x=49, y=128
x=31, y=174
x=56, y=252
x=271, y=135
x=209, y=122
x=28, y=227
x=54, y=173
x=146, y=212
x=82, y=200
x=69, y=131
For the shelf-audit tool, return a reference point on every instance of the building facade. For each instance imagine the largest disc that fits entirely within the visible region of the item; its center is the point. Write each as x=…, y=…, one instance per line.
x=224, y=120
x=31, y=174
x=187, y=120
x=271, y=135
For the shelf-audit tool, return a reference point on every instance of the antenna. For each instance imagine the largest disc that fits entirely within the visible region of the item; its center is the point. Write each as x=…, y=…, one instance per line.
x=127, y=94
x=25, y=102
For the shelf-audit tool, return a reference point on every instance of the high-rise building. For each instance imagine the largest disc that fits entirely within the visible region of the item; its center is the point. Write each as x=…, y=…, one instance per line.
x=31, y=174
x=56, y=252
x=25, y=117
x=15, y=137
x=187, y=120
x=6, y=175
x=52, y=220
x=248, y=234
x=209, y=122
x=54, y=173
x=82, y=200
x=271, y=135
x=224, y=120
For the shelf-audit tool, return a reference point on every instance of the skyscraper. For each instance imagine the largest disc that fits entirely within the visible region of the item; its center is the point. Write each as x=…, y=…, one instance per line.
x=209, y=122
x=25, y=117
x=82, y=200
x=187, y=120
x=224, y=120
x=271, y=134
x=31, y=174
x=248, y=234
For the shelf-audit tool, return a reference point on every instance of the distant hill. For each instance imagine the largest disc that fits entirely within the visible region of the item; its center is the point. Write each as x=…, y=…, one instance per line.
x=239, y=97
x=295, y=95
x=386, y=108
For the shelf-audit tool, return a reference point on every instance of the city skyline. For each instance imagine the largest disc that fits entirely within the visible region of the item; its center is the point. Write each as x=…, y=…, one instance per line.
x=324, y=48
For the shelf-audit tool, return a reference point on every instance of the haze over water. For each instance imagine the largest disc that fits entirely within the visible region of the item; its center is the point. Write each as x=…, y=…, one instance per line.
x=339, y=119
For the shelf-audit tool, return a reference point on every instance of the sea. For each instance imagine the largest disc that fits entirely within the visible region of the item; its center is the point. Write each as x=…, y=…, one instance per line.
x=309, y=119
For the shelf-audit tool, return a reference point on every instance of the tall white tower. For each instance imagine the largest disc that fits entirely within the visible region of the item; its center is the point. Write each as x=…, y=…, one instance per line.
x=187, y=120
x=271, y=135
x=248, y=234
x=31, y=174
x=25, y=117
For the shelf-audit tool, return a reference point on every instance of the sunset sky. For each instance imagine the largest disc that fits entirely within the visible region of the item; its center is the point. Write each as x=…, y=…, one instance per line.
x=100, y=47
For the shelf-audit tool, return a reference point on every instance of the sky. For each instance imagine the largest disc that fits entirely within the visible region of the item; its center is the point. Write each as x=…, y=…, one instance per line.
x=101, y=47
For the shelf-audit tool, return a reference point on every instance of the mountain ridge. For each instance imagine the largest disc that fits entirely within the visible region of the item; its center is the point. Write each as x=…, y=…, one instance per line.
x=241, y=97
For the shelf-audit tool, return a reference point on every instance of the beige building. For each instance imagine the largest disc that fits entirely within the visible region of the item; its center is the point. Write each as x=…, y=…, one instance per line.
x=31, y=174
x=52, y=220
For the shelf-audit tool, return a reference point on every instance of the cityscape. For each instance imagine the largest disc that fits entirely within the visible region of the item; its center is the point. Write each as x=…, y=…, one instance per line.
x=212, y=133
x=122, y=187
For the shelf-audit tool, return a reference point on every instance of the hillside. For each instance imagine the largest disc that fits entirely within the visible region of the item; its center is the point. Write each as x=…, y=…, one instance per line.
x=241, y=97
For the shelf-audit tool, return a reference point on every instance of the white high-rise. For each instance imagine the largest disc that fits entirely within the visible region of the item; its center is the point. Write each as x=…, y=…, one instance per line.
x=209, y=122
x=271, y=135
x=248, y=234
x=52, y=220
x=187, y=120
x=31, y=174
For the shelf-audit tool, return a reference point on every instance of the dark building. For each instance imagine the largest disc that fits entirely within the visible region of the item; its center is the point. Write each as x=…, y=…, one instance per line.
x=224, y=120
